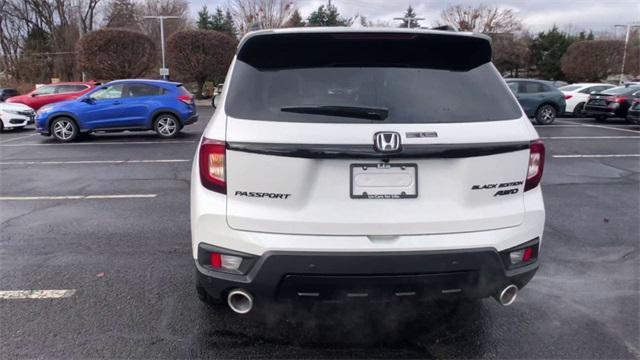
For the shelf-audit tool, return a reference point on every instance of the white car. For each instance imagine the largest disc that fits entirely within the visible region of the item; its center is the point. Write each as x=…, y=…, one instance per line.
x=15, y=116
x=371, y=165
x=577, y=95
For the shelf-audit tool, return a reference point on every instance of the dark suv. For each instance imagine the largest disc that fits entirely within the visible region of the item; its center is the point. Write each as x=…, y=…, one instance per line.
x=6, y=93
x=538, y=99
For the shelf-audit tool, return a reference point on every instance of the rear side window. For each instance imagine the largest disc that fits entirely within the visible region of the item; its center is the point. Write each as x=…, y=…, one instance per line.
x=137, y=90
x=622, y=90
x=415, y=78
x=530, y=87
x=183, y=91
x=570, y=88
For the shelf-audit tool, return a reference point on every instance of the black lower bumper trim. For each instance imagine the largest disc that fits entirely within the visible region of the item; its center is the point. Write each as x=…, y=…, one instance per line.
x=476, y=273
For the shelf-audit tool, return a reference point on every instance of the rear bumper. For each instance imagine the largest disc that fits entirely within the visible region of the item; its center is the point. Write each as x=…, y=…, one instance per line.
x=191, y=119
x=601, y=111
x=634, y=115
x=338, y=277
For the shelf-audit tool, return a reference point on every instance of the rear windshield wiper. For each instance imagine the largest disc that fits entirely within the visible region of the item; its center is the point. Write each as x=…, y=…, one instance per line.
x=371, y=113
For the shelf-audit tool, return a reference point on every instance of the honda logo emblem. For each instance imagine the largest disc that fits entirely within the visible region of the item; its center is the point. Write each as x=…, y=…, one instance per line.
x=386, y=141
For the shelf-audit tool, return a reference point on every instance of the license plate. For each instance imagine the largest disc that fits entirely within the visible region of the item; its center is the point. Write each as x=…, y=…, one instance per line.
x=384, y=181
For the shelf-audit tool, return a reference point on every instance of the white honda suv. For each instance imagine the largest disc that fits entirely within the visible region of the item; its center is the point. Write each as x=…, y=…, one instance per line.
x=365, y=164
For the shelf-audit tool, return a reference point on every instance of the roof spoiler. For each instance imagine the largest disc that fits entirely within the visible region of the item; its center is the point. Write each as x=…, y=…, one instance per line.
x=444, y=28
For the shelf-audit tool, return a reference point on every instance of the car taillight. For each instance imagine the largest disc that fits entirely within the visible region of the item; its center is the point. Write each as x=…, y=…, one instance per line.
x=619, y=99
x=212, y=165
x=567, y=97
x=187, y=99
x=536, y=164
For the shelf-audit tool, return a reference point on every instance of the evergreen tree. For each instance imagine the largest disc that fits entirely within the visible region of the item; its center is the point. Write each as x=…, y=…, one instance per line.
x=203, y=22
x=410, y=19
x=326, y=16
x=295, y=20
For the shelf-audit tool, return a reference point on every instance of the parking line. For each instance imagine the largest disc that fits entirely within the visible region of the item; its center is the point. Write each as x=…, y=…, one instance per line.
x=78, y=197
x=35, y=294
x=17, y=138
x=89, y=162
x=105, y=143
x=588, y=137
x=596, y=156
x=602, y=127
x=577, y=125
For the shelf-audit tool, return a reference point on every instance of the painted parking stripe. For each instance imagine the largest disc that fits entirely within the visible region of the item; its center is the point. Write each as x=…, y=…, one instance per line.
x=577, y=124
x=597, y=156
x=588, y=137
x=78, y=197
x=602, y=127
x=35, y=294
x=104, y=143
x=89, y=162
x=17, y=138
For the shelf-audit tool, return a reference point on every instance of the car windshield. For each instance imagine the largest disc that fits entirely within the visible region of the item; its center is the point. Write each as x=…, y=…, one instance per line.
x=570, y=87
x=409, y=88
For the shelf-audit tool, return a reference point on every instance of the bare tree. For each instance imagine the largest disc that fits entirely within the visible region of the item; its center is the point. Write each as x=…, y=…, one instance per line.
x=482, y=18
x=260, y=14
x=511, y=53
x=87, y=13
x=109, y=54
x=123, y=14
x=592, y=60
x=209, y=55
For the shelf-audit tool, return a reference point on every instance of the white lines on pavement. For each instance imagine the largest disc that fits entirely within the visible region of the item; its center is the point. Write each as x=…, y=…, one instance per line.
x=35, y=294
x=577, y=124
x=596, y=156
x=588, y=137
x=104, y=143
x=90, y=162
x=78, y=197
x=602, y=127
x=17, y=138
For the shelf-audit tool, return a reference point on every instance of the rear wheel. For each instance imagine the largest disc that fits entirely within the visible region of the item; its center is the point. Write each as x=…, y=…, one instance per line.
x=64, y=129
x=1, y=126
x=578, y=110
x=167, y=126
x=545, y=114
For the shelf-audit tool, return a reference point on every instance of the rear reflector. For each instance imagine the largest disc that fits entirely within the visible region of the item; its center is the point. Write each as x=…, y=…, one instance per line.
x=212, y=165
x=536, y=164
x=216, y=260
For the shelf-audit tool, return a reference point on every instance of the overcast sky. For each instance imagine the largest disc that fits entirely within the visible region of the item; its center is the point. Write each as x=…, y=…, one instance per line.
x=570, y=15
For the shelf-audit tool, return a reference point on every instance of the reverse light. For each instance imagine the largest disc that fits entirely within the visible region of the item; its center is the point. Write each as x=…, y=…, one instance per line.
x=536, y=164
x=224, y=261
x=212, y=156
x=523, y=256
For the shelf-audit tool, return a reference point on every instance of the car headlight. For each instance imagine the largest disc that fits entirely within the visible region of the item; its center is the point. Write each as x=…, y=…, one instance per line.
x=16, y=112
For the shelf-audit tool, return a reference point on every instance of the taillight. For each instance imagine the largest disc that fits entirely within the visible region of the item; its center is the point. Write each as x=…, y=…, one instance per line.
x=567, y=97
x=212, y=165
x=187, y=99
x=619, y=99
x=536, y=164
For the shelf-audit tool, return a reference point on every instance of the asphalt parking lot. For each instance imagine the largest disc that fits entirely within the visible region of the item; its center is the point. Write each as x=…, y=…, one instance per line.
x=107, y=220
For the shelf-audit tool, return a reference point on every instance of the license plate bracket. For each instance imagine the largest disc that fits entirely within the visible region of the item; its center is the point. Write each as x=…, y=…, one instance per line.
x=383, y=181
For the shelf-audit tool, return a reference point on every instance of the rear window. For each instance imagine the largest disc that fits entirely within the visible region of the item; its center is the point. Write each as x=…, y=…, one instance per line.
x=570, y=87
x=621, y=90
x=416, y=78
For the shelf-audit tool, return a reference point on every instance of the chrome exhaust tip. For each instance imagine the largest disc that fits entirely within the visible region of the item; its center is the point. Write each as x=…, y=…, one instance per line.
x=240, y=301
x=508, y=295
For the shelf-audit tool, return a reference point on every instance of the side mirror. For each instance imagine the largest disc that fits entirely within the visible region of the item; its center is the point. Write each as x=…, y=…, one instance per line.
x=88, y=100
x=215, y=100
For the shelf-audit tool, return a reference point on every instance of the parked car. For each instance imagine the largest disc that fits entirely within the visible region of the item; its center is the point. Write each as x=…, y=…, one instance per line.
x=216, y=94
x=538, y=99
x=633, y=115
x=576, y=95
x=53, y=93
x=614, y=102
x=6, y=93
x=308, y=184
x=162, y=106
x=15, y=116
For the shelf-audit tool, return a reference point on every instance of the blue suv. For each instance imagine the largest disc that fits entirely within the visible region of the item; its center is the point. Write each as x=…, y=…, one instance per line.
x=162, y=106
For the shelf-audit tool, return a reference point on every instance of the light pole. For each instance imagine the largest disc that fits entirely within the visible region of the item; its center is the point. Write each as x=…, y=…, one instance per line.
x=164, y=71
x=626, y=43
x=409, y=20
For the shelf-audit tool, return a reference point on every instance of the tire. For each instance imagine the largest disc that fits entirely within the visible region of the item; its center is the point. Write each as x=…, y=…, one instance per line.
x=578, y=110
x=1, y=126
x=545, y=114
x=166, y=126
x=64, y=129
